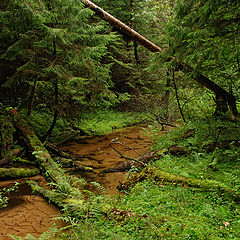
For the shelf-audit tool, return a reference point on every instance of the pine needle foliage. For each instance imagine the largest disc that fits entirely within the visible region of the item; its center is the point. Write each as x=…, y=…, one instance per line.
x=55, y=41
x=205, y=34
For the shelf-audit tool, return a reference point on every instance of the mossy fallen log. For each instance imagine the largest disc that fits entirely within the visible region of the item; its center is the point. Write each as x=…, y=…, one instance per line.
x=56, y=151
x=138, y=162
x=13, y=173
x=16, y=161
x=64, y=194
x=69, y=163
x=165, y=177
x=73, y=205
x=45, y=161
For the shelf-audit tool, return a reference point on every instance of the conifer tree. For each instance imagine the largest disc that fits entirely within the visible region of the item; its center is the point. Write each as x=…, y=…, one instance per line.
x=58, y=54
x=205, y=34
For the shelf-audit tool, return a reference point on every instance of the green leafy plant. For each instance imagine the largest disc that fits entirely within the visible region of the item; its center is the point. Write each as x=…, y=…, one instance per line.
x=5, y=192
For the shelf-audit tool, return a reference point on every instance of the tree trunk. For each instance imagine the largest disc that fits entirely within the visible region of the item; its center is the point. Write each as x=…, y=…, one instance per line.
x=122, y=28
x=177, y=97
x=165, y=177
x=200, y=78
x=31, y=98
x=50, y=130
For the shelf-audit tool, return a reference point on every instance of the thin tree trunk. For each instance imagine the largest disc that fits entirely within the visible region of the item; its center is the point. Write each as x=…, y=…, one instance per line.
x=165, y=98
x=50, y=130
x=31, y=98
x=176, y=92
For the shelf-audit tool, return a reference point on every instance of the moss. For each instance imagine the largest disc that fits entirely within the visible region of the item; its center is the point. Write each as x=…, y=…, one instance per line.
x=158, y=175
x=6, y=136
x=16, y=160
x=12, y=173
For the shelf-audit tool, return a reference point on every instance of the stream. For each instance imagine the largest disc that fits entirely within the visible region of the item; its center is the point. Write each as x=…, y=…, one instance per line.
x=30, y=213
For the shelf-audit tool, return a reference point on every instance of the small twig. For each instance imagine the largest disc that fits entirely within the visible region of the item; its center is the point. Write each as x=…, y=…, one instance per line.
x=128, y=158
x=159, y=121
x=125, y=145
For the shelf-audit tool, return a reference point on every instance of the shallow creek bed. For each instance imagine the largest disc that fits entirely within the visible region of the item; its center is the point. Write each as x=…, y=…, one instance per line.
x=30, y=213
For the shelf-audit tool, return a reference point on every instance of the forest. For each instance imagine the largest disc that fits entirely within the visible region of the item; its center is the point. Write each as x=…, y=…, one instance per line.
x=119, y=119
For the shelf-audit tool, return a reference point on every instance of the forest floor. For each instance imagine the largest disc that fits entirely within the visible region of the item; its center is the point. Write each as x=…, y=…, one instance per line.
x=30, y=213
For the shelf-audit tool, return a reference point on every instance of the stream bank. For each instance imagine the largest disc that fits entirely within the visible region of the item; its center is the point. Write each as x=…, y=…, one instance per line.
x=30, y=213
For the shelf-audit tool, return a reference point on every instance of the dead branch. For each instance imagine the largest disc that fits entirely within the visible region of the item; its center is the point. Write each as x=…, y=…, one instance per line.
x=125, y=145
x=128, y=158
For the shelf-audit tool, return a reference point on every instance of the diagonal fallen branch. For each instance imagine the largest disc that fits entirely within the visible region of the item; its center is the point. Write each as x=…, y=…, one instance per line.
x=128, y=158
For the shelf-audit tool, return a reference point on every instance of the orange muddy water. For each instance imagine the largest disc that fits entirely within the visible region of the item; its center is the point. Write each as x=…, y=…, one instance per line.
x=97, y=153
x=30, y=213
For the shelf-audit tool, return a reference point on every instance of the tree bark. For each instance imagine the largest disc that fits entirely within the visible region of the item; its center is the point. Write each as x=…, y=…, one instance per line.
x=177, y=97
x=121, y=27
x=229, y=99
x=31, y=98
x=161, y=176
x=50, y=130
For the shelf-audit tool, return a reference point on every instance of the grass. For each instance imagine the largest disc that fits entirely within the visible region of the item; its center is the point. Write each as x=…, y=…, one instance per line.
x=93, y=123
x=102, y=122
x=156, y=211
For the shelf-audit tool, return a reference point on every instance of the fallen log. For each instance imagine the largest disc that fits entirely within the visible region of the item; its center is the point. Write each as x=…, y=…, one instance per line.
x=64, y=194
x=56, y=150
x=69, y=163
x=165, y=177
x=121, y=27
x=76, y=207
x=45, y=161
x=13, y=173
x=138, y=162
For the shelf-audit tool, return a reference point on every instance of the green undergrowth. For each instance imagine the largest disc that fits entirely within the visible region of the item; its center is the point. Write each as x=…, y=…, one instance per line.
x=105, y=121
x=221, y=164
x=155, y=209
x=90, y=123
x=158, y=209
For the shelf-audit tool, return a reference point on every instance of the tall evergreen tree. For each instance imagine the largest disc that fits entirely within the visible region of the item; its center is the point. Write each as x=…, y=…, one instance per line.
x=57, y=53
